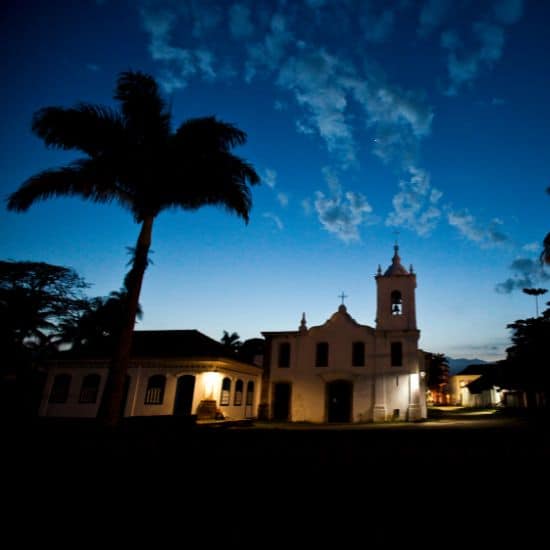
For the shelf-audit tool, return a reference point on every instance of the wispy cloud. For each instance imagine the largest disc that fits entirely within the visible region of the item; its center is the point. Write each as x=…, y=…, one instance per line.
x=275, y=219
x=269, y=52
x=485, y=236
x=508, y=11
x=179, y=64
x=527, y=273
x=432, y=15
x=465, y=62
x=341, y=213
x=376, y=26
x=269, y=177
x=283, y=199
x=240, y=23
x=531, y=247
x=415, y=206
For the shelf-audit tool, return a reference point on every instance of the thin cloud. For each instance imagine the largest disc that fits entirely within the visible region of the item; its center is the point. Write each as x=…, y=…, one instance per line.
x=275, y=219
x=466, y=61
x=269, y=177
x=415, y=206
x=531, y=247
x=376, y=27
x=527, y=273
x=432, y=15
x=508, y=11
x=240, y=23
x=341, y=213
x=283, y=199
x=468, y=227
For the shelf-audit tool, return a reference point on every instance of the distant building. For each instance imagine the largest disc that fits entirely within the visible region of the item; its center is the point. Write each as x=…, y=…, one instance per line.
x=474, y=387
x=344, y=371
x=172, y=372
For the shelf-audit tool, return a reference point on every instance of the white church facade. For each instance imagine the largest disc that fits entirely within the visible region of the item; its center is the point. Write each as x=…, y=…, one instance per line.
x=343, y=371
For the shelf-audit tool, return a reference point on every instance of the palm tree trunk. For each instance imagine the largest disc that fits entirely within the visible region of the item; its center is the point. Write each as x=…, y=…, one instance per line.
x=110, y=409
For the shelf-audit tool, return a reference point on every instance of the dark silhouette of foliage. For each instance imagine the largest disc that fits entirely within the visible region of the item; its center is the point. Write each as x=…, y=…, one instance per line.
x=252, y=350
x=437, y=375
x=526, y=365
x=36, y=300
x=132, y=157
x=98, y=327
x=231, y=341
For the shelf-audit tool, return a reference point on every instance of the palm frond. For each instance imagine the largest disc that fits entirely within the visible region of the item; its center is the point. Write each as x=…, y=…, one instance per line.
x=93, y=129
x=218, y=179
x=145, y=112
x=85, y=178
x=208, y=134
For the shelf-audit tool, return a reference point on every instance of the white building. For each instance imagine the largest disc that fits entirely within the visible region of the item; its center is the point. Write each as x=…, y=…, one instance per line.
x=343, y=371
x=172, y=372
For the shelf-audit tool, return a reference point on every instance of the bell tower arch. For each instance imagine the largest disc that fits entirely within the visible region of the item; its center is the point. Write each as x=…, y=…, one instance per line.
x=396, y=307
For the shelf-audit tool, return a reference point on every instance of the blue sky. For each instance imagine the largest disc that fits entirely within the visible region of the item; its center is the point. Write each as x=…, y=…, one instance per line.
x=364, y=118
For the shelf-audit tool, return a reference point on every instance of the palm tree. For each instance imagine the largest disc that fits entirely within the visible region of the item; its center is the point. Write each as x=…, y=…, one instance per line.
x=536, y=292
x=133, y=157
x=231, y=341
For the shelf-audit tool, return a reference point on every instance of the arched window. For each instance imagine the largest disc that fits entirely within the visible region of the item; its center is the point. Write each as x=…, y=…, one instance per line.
x=396, y=303
x=250, y=393
x=284, y=355
x=89, y=388
x=238, y=399
x=396, y=354
x=358, y=354
x=226, y=391
x=60, y=388
x=155, y=390
x=321, y=355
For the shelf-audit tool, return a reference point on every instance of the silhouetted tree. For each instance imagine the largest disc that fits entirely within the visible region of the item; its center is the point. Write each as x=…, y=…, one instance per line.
x=528, y=357
x=437, y=375
x=231, y=341
x=133, y=157
x=36, y=300
x=536, y=292
x=252, y=350
x=99, y=325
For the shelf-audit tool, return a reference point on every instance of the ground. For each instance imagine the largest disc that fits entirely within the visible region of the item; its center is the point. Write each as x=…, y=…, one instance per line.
x=327, y=482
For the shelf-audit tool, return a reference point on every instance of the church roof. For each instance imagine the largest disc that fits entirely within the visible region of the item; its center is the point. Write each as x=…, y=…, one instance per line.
x=396, y=268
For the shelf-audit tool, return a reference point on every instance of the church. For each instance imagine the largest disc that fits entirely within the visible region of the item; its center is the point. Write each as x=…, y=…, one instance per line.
x=343, y=371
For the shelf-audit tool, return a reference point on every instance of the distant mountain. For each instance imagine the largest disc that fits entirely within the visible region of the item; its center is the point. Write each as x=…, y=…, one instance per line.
x=456, y=365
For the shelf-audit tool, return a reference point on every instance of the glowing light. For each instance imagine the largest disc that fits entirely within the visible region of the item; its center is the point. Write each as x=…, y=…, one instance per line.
x=415, y=382
x=211, y=381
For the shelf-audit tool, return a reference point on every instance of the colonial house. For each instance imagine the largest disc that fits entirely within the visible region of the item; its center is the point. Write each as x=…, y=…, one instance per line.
x=474, y=387
x=172, y=372
x=344, y=371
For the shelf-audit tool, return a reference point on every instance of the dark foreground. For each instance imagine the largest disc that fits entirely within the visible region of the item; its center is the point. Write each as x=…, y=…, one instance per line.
x=480, y=478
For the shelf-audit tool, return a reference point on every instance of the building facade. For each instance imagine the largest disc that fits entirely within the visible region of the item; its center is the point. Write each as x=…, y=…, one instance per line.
x=343, y=371
x=179, y=372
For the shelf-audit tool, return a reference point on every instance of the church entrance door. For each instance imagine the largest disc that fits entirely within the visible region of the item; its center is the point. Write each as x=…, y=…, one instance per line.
x=184, y=395
x=281, y=401
x=339, y=399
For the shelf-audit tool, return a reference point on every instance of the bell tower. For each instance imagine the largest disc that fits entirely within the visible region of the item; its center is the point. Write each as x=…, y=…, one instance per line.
x=396, y=309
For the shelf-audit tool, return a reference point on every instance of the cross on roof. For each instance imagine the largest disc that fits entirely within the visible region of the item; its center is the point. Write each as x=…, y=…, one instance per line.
x=396, y=233
x=342, y=296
